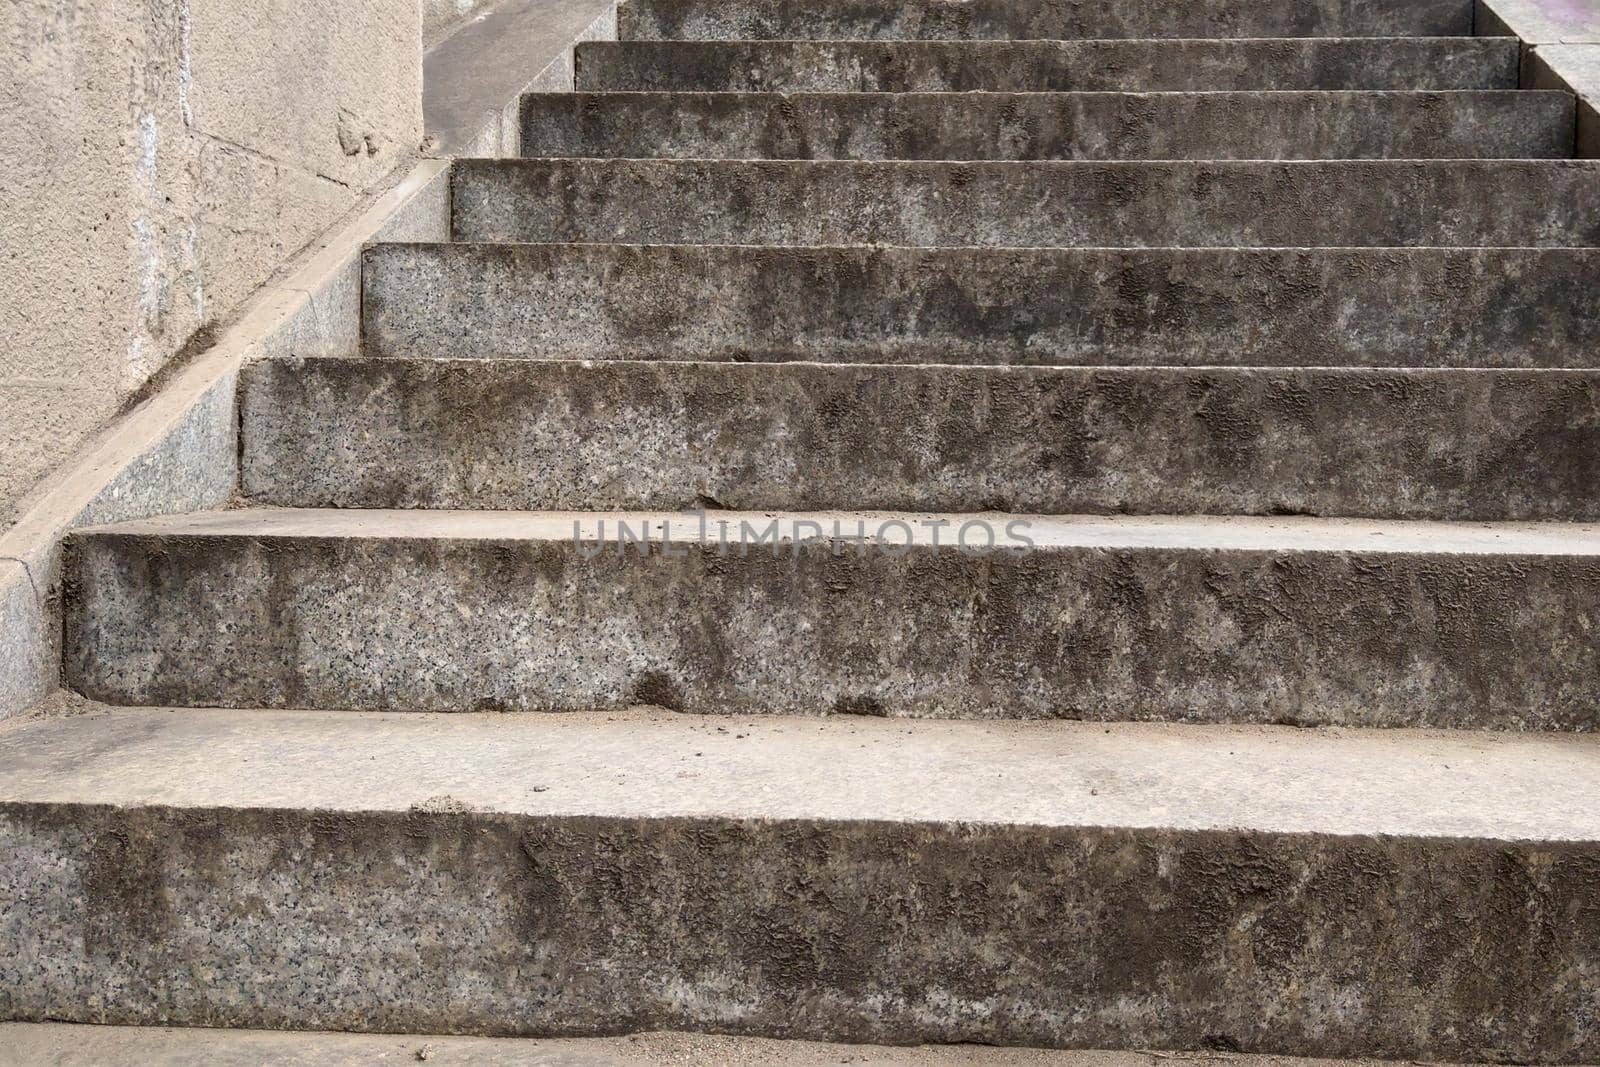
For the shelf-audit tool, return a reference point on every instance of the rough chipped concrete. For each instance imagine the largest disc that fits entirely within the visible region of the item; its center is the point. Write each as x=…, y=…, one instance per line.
x=1057, y=66
x=531, y=435
x=66, y=1045
x=852, y=881
x=1253, y=307
x=473, y=79
x=1019, y=126
x=1204, y=619
x=1037, y=19
x=1514, y=203
x=1576, y=69
x=164, y=159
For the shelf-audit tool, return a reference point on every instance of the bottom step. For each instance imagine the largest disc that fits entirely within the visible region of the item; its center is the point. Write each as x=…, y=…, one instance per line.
x=1051, y=884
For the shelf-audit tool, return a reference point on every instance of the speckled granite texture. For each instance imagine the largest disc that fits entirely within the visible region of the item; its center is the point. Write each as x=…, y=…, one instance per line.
x=1248, y=620
x=1546, y=203
x=1022, y=126
x=1038, y=19
x=1376, y=307
x=1045, y=65
x=1041, y=884
x=532, y=434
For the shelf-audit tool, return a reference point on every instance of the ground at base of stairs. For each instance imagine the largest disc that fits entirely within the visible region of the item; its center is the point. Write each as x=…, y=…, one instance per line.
x=61, y=1045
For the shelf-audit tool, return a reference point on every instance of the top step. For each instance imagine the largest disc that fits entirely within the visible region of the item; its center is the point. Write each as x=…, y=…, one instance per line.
x=929, y=20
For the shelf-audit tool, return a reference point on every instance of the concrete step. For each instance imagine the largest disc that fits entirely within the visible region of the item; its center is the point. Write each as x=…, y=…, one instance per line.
x=1330, y=893
x=1540, y=203
x=521, y=434
x=1060, y=66
x=940, y=20
x=1261, y=307
x=1217, y=620
x=1020, y=126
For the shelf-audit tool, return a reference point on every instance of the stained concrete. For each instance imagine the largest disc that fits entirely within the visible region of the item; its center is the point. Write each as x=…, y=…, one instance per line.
x=563, y=435
x=1036, y=19
x=164, y=160
x=1541, y=203
x=1208, y=307
x=1021, y=126
x=1058, y=66
x=1243, y=620
x=67, y=1045
x=178, y=450
x=852, y=881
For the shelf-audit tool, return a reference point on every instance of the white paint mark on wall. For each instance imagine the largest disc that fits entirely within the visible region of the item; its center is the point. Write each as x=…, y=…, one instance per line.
x=185, y=72
x=146, y=177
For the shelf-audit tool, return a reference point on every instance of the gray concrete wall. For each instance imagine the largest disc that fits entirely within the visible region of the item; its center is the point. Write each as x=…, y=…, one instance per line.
x=164, y=157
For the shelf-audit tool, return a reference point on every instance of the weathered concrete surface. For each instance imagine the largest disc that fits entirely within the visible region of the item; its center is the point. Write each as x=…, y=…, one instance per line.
x=164, y=159
x=1576, y=69
x=933, y=126
x=1251, y=307
x=1058, y=66
x=537, y=435
x=1408, y=895
x=472, y=80
x=178, y=449
x=30, y=653
x=1205, y=619
x=69, y=1045
x=1515, y=203
x=742, y=20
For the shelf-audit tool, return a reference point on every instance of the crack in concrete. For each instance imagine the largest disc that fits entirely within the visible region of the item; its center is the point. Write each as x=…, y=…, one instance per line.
x=27, y=572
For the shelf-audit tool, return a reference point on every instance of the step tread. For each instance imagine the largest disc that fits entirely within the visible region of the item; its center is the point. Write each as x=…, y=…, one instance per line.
x=661, y=434
x=646, y=763
x=1044, y=125
x=1386, y=307
x=1255, y=63
x=745, y=19
x=1200, y=533
x=1165, y=203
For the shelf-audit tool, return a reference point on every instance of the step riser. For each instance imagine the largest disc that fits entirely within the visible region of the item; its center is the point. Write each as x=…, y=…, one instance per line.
x=569, y=436
x=502, y=924
x=1060, y=66
x=1035, y=19
x=1152, y=204
x=1042, y=126
x=1403, y=638
x=1263, y=308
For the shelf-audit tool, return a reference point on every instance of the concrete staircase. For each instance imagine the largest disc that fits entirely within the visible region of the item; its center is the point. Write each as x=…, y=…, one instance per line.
x=869, y=388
